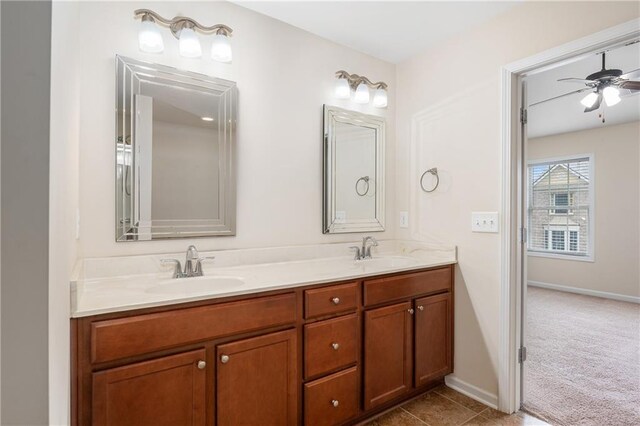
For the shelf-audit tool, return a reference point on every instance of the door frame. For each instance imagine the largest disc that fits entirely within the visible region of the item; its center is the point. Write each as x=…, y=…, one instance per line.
x=512, y=251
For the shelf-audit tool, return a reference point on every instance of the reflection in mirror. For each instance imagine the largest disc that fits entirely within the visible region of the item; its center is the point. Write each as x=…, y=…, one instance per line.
x=175, y=141
x=354, y=171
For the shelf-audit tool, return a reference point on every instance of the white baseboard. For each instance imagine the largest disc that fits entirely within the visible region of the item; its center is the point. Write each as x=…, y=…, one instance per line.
x=586, y=292
x=472, y=391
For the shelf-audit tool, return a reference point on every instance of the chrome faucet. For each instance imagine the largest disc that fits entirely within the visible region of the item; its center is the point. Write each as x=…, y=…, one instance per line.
x=192, y=264
x=364, y=252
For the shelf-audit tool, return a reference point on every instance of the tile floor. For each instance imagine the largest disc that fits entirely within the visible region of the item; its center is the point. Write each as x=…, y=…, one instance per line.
x=444, y=406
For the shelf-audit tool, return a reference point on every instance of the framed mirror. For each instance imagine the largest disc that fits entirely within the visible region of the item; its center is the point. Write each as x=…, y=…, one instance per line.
x=353, y=171
x=175, y=149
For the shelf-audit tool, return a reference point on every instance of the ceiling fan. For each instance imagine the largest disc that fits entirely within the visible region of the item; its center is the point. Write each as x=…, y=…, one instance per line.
x=603, y=85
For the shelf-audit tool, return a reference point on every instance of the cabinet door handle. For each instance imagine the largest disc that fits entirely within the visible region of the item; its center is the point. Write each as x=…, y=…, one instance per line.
x=201, y=365
x=336, y=300
x=335, y=346
x=421, y=308
x=224, y=359
x=410, y=310
x=335, y=403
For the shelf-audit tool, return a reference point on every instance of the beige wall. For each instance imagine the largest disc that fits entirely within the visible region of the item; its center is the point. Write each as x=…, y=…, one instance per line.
x=615, y=268
x=284, y=76
x=458, y=82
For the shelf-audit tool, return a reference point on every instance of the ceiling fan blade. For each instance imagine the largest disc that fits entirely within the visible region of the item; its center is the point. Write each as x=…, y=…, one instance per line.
x=560, y=96
x=596, y=105
x=630, y=85
x=630, y=74
x=577, y=80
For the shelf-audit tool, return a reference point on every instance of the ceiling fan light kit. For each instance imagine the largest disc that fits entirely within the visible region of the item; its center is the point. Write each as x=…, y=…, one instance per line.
x=605, y=85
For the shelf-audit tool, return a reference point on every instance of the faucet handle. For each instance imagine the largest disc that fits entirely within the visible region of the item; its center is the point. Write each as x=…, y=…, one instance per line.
x=177, y=268
x=198, y=269
x=358, y=254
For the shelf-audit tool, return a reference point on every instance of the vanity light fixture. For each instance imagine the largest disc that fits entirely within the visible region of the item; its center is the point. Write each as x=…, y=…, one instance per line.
x=186, y=31
x=207, y=118
x=346, y=82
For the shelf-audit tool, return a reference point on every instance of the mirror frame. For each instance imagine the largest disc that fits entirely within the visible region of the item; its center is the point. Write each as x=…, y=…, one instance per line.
x=132, y=71
x=333, y=115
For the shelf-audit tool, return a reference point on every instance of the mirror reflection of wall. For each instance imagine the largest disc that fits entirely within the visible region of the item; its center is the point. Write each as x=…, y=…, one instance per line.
x=174, y=175
x=355, y=172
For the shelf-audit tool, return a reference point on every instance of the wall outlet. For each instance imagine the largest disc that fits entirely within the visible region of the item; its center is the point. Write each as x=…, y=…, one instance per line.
x=484, y=222
x=404, y=219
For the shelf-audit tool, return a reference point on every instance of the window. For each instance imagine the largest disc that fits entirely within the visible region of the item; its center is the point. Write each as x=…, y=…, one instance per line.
x=560, y=205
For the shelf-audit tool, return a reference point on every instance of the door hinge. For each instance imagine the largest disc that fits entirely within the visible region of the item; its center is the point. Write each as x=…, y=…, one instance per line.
x=523, y=235
x=522, y=354
x=523, y=115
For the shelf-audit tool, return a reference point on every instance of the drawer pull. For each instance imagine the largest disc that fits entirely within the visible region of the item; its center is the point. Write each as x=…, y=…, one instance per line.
x=410, y=310
x=421, y=307
x=201, y=365
x=335, y=346
x=224, y=359
x=336, y=300
x=335, y=403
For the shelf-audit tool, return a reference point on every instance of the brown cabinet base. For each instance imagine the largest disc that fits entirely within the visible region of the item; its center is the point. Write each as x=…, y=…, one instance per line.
x=311, y=355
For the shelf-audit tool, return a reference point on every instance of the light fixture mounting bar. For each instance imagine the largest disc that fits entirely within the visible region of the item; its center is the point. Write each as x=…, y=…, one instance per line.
x=179, y=22
x=355, y=79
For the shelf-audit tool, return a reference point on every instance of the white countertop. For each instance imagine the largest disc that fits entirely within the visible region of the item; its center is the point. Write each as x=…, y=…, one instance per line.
x=120, y=284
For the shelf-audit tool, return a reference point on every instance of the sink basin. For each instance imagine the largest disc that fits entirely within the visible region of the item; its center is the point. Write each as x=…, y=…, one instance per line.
x=197, y=285
x=387, y=262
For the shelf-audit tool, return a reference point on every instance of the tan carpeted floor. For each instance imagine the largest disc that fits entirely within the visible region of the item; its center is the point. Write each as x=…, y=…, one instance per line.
x=583, y=359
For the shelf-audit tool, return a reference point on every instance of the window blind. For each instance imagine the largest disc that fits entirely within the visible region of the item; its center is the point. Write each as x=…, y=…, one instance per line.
x=559, y=206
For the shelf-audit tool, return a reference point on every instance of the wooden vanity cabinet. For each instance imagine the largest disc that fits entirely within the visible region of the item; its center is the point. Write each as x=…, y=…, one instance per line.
x=165, y=391
x=409, y=344
x=331, y=354
x=256, y=381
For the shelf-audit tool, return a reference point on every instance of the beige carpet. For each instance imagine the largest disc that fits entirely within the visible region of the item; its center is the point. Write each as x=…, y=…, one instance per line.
x=583, y=359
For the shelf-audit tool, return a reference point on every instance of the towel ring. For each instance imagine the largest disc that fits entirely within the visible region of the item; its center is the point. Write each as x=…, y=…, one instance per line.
x=366, y=181
x=433, y=171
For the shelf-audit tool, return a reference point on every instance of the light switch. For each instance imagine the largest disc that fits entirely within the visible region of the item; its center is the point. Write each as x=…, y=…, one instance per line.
x=484, y=222
x=404, y=219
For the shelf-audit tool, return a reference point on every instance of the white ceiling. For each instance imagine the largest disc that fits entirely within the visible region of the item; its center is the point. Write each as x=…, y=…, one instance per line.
x=389, y=30
x=567, y=114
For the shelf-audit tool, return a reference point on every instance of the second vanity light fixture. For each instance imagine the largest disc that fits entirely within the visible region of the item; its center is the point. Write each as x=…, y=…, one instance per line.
x=184, y=29
x=360, y=84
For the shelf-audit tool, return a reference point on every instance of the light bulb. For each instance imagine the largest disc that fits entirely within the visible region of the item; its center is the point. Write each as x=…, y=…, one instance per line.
x=589, y=100
x=362, y=94
x=149, y=37
x=189, y=43
x=380, y=98
x=342, y=90
x=221, y=48
x=611, y=95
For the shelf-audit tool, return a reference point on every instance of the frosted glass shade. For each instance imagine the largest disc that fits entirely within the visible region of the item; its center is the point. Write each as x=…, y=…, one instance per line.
x=221, y=48
x=611, y=95
x=380, y=98
x=362, y=94
x=189, y=44
x=589, y=100
x=149, y=38
x=342, y=90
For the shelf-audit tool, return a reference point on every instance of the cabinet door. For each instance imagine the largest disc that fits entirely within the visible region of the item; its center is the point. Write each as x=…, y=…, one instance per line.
x=256, y=381
x=387, y=353
x=433, y=326
x=165, y=391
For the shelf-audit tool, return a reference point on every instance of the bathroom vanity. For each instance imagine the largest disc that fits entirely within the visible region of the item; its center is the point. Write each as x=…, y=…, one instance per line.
x=331, y=353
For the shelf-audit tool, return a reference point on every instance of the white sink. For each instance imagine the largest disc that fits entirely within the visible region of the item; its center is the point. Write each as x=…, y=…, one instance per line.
x=197, y=285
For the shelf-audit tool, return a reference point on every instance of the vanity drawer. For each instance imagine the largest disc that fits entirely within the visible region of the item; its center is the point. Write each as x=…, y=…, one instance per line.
x=330, y=344
x=330, y=300
x=405, y=286
x=331, y=400
x=121, y=338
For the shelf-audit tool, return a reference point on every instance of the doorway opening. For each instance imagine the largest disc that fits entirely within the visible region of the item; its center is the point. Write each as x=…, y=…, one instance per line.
x=581, y=280
x=567, y=228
